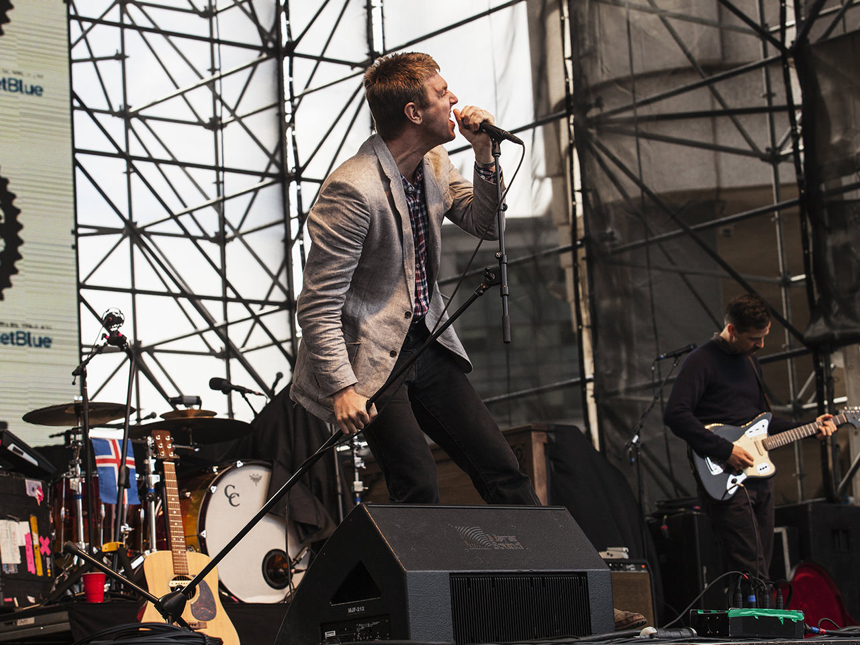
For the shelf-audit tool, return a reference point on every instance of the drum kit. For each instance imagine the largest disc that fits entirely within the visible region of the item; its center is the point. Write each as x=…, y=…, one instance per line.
x=215, y=504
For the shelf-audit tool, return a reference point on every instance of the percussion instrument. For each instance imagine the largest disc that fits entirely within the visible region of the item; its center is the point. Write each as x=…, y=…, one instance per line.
x=268, y=562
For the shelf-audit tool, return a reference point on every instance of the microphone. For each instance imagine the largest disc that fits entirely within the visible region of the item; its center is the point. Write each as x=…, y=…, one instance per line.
x=226, y=386
x=112, y=320
x=498, y=134
x=677, y=352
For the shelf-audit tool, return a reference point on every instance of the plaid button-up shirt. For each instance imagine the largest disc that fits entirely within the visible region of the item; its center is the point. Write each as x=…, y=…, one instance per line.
x=418, y=218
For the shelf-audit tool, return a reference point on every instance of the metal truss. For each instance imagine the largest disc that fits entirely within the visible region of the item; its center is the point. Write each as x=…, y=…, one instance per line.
x=614, y=126
x=180, y=176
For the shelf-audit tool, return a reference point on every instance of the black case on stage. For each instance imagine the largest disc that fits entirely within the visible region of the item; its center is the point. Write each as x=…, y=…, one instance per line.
x=25, y=523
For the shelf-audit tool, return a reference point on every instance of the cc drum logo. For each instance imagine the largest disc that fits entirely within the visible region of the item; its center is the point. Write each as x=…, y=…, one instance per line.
x=231, y=495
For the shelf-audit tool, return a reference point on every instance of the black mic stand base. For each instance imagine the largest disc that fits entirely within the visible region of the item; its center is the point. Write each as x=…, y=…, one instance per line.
x=169, y=606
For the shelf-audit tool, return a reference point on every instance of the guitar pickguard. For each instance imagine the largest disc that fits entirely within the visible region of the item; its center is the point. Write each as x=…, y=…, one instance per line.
x=715, y=468
x=203, y=608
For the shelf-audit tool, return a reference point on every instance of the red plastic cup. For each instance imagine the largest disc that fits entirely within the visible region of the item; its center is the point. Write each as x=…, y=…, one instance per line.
x=94, y=586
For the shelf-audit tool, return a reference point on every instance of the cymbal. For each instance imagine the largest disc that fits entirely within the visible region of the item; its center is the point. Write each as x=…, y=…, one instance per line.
x=186, y=414
x=195, y=430
x=71, y=414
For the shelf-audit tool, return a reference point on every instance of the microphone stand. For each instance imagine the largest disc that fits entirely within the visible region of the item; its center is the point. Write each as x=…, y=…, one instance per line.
x=174, y=602
x=245, y=396
x=502, y=256
x=634, y=443
x=122, y=475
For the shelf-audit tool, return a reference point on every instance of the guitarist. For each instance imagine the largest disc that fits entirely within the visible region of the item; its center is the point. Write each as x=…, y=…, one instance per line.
x=720, y=382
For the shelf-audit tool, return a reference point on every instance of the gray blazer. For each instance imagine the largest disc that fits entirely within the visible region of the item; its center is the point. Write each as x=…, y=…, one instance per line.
x=359, y=280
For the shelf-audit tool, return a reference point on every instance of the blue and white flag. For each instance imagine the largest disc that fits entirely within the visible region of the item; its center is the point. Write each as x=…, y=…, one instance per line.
x=108, y=453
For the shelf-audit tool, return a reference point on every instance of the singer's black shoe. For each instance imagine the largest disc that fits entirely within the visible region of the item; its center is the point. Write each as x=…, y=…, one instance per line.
x=628, y=620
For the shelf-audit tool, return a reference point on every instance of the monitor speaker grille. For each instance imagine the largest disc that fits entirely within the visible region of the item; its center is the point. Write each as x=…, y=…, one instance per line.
x=491, y=608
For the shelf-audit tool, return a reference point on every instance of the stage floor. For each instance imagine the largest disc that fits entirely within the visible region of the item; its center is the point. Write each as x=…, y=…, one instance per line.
x=256, y=624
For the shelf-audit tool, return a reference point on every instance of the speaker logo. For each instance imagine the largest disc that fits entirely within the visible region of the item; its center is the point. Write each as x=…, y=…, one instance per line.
x=477, y=539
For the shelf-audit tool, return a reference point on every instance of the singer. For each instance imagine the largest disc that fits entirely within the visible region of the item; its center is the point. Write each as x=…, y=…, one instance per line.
x=721, y=382
x=370, y=296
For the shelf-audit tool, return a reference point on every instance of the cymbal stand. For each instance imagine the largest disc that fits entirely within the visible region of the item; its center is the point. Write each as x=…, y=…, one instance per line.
x=76, y=485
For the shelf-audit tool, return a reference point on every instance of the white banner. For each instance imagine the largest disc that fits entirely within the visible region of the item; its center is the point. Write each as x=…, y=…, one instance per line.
x=38, y=274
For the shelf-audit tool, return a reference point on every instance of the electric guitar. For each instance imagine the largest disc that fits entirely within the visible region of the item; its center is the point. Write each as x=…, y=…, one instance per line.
x=721, y=481
x=166, y=572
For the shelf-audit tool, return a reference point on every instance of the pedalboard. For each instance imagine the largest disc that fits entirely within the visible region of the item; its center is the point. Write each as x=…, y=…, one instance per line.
x=748, y=623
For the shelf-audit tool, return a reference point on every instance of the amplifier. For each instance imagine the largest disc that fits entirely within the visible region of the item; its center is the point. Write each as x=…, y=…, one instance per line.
x=633, y=587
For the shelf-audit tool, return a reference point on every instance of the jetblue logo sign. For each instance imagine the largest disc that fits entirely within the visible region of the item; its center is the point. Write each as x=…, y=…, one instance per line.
x=33, y=337
x=18, y=85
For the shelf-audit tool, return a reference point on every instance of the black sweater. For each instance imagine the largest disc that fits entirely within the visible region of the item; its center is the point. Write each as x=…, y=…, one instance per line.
x=715, y=386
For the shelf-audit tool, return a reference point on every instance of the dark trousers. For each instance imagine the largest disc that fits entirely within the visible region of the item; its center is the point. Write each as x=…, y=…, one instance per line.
x=743, y=525
x=436, y=398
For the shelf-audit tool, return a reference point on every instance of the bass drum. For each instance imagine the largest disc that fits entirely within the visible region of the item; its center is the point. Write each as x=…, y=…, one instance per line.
x=267, y=564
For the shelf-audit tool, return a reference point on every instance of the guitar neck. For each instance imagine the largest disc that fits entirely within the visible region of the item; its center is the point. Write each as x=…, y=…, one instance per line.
x=175, y=526
x=795, y=434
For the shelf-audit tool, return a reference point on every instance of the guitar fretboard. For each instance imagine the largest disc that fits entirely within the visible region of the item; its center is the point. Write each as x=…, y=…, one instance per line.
x=800, y=432
x=175, y=527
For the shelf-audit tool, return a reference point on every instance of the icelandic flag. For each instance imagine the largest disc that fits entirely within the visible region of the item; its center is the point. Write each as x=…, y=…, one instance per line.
x=108, y=453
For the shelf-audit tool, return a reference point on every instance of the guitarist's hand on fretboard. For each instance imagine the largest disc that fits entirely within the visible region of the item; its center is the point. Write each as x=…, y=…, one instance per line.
x=740, y=458
x=826, y=426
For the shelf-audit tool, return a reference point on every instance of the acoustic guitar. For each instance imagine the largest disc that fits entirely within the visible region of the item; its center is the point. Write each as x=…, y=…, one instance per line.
x=165, y=572
x=721, y=481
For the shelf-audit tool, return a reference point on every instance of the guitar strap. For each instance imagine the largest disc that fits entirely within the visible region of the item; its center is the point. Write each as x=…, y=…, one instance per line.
x=761, y=385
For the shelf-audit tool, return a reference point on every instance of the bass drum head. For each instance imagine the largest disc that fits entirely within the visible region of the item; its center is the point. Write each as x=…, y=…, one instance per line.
x=258, y=569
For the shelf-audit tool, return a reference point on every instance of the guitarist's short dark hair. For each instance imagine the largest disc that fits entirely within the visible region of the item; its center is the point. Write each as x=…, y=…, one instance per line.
x=747, y=312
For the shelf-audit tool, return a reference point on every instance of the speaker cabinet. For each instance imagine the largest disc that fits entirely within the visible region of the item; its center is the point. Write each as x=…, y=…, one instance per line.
x=828, y=535
x=462, y=574
x=689, y=559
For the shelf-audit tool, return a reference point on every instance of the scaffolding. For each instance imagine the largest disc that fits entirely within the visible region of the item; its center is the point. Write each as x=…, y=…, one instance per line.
x=223, y=119
x=688, y=130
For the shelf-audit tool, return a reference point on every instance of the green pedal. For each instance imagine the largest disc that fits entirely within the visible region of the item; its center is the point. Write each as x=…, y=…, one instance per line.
x=748, y=623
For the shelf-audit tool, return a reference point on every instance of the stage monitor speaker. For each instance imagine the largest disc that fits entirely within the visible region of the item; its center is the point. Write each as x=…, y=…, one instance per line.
x=462, y=574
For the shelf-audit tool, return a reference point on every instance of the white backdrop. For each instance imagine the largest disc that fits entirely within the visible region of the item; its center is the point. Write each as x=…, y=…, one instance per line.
x=38, y=309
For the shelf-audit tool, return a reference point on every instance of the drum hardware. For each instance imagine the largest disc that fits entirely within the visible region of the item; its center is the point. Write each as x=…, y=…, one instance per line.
x=83, y=414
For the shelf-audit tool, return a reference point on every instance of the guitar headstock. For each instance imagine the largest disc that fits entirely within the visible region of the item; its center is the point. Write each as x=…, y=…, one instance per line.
x=852, y=416
x=163, y=445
